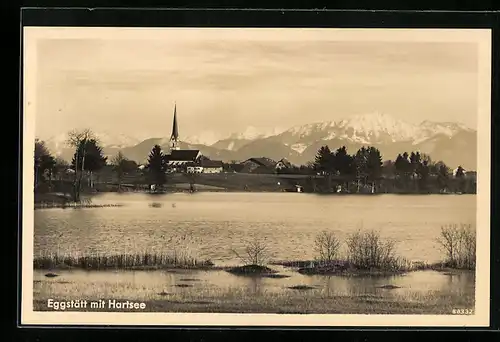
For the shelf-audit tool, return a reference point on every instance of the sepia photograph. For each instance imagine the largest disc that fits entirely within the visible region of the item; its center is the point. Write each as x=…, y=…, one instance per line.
x=256, y=176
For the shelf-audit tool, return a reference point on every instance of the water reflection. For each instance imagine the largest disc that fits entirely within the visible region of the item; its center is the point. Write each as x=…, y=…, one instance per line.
x=148, y=283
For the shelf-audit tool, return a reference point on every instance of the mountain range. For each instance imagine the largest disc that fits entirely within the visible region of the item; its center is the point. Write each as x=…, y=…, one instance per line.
x=451, y=142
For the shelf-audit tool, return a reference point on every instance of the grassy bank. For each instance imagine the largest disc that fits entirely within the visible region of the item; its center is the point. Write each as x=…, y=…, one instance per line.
x=236, y=182
x=61, y=200
x=314, y=267
x=289, y=301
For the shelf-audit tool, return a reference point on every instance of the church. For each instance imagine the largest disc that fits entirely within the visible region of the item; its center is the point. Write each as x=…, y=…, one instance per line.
x=186, y=160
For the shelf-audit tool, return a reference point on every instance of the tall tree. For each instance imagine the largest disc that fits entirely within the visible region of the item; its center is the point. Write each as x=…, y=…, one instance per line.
x=423, y=171
x=460, y=176
x=344, y=165
x=373, y=165
x=415, y=163
x=76, y=139
x=157, y=167
x=443, y=172
x=343, y=162
x=89, y=156
x=325, y=163
x=403, y=168
x=121, y=166
x=361, y=166
x=44, y=162
x=324, y=160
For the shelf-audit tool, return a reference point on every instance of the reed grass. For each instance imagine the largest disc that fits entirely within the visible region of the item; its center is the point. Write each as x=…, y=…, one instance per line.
x=50, y=205
x=98, y=261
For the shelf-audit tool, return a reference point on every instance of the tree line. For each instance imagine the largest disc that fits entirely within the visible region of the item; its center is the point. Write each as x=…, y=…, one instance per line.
x=88, y=159
x=409, y=172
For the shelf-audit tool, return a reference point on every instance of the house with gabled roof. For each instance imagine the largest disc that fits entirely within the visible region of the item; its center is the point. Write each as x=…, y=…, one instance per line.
x=283, y=164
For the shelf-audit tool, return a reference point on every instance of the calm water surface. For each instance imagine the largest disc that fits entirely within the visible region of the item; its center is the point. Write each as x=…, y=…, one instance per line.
x=214, y=225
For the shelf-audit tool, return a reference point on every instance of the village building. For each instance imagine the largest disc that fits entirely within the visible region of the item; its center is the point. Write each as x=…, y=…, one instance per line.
x=211, y=166
x=185, y=160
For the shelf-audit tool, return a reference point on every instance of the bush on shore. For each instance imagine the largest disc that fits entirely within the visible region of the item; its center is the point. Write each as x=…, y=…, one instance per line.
x=459, y=244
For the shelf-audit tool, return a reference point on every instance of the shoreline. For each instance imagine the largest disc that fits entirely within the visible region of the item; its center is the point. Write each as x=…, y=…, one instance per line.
x=265, y=272
x=53, y=200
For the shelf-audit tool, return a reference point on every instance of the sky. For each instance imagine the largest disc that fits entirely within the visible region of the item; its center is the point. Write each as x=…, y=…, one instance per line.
x=223, y=81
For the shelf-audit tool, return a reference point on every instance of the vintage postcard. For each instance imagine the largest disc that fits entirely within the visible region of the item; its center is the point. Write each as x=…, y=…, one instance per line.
x=256, y=176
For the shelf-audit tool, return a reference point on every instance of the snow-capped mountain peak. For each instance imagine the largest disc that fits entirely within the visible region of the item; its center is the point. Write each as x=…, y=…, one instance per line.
x=253, y=133
x=377, y=126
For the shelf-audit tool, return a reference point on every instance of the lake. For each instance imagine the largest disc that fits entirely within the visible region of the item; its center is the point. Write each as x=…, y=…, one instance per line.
x=213, y=225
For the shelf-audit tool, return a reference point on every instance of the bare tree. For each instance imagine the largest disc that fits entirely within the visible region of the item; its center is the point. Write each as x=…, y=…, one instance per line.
x=459, y=244
x=327, y=246
x=256, y=253
x=75, y=139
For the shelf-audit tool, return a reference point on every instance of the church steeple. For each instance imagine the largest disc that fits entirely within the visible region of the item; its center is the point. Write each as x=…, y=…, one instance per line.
x=174, y=138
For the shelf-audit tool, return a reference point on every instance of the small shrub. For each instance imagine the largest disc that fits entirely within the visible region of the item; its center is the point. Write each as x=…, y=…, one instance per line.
x=327, y=246
x=459, y=244
x=255, y=253
x=367, y=250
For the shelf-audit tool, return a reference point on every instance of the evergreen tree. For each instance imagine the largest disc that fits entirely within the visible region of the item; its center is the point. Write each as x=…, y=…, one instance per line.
x=325, y=163
x=361, y=166
x=89, y=156
x=423, y=175
x=344, y=165
x=324, y=160
x=442, y=175
x=157, y=167
x=343, y=162
x=403, y=169
x=415, y=163
x=373, y=165
x=44, y=162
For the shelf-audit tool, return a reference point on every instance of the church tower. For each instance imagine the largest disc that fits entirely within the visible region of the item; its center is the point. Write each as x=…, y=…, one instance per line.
x=174, y=138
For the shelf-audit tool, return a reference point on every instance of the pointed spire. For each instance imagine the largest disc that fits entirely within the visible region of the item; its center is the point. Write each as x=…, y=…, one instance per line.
x=174, y=138
x=175, y=128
